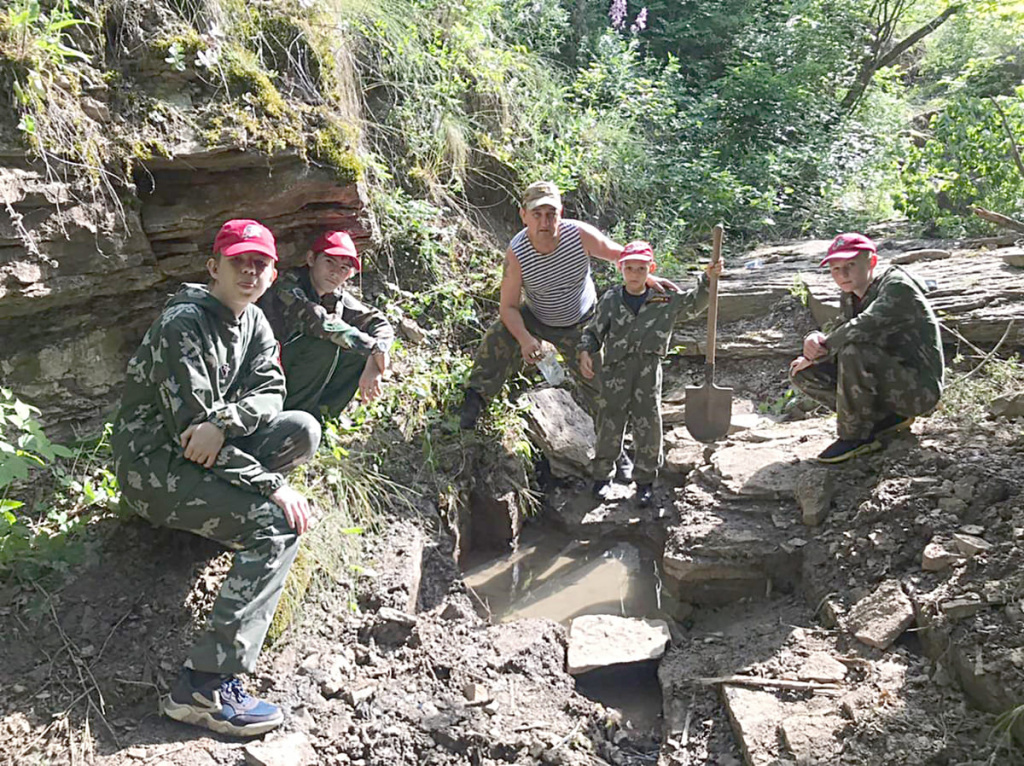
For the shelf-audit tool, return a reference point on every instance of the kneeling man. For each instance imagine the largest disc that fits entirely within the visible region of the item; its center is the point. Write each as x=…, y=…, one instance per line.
x=882, y=364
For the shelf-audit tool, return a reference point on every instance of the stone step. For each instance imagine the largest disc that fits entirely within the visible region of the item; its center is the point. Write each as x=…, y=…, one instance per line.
x=720, y=555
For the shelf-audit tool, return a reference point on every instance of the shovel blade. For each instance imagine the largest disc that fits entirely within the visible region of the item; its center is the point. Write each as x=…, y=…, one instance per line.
x=708, y=412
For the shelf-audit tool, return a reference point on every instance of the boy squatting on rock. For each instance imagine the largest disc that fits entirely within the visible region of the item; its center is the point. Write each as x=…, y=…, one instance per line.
x=331, y=344
x=633, y=327
x=201, y=444
x=881, y=365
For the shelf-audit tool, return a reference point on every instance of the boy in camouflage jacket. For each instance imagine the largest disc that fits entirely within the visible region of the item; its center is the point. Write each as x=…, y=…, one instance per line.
x=200, y=444
x=331, y=344
x=881, y=365
x=633, y=326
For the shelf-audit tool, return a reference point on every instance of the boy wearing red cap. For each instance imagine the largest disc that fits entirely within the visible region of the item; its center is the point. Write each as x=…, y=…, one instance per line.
x=331, y=344
x=881, y=365
x=201, y=444
x=633, y=325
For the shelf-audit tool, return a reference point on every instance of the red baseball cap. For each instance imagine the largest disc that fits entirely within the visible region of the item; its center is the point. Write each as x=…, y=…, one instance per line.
x=339, y=244
x=846, y=246
x=243, y=235
x=638, y=250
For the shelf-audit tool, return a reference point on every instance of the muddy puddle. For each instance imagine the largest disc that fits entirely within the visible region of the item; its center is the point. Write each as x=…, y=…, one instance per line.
x=555, y=576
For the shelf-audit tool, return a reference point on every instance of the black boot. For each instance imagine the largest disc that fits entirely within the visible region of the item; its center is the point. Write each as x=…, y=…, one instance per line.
x=472, y=406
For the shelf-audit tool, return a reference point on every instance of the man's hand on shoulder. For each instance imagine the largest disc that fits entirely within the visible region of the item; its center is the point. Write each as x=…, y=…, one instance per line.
x=202, y=443
x=295, y=506
x=660, y=284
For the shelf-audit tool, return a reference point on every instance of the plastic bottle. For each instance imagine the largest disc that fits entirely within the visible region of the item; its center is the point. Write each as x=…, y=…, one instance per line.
x=550, y=367
x=754, y=264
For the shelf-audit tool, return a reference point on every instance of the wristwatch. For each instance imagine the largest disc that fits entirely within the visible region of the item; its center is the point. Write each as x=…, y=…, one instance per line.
x=381, y=347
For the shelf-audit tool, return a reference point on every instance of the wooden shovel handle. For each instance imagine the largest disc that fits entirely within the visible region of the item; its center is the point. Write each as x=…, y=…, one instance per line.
x=716, y=255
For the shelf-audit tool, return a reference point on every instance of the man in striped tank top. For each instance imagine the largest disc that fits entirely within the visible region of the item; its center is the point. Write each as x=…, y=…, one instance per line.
x=547, y=293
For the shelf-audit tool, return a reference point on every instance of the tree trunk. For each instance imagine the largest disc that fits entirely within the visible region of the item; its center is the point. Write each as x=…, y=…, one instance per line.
x=873, y=63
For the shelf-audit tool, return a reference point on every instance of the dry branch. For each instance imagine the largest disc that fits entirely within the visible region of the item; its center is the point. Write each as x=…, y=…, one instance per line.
x=999, y=219
x=777, y=683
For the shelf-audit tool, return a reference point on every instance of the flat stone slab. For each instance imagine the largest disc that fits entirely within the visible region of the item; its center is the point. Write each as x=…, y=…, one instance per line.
x=1012, y=256
x=289, y=750
x=562, y=430
x=770, y=469
x=939, y=554
x=913, y=256
x=600, y=640
x=755, y=717
x=823, y=668
x=814, y=488
x=880, y=618
x=1009, y=406
x=810, y=735
x=682, y=459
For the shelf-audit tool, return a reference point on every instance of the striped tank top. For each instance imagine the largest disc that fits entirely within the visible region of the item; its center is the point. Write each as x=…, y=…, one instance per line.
x=559, y=290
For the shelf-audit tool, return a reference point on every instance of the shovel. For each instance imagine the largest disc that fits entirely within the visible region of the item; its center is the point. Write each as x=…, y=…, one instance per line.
x=709, y=407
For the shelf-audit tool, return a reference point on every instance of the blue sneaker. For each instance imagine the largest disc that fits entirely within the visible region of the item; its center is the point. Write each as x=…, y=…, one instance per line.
x=220, y=704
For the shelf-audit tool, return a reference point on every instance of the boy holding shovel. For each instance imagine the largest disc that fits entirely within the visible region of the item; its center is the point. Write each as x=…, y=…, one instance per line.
x=633, y=326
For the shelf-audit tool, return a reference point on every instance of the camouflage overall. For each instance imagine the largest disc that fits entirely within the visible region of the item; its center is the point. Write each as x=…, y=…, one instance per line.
x=325, y=341
x=498, y=357
x=199, y=363
x=633, y=346
x=884, y=357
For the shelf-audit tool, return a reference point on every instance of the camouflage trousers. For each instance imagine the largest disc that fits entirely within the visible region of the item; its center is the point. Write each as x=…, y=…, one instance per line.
x=862, y=386
x=498, y=357
x=248, y=523
x=320, y=375
x=630, y=390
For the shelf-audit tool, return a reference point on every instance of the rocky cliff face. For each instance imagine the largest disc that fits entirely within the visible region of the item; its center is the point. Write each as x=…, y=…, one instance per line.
x=81, y=279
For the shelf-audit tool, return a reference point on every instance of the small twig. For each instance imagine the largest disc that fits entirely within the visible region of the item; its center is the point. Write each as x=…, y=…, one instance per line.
x=987, y=358
x=777, y=683
x=167, y=752
x=689, y=717
x=80, y=665
x=113, y=630
x=562, y=742
x=962, y=339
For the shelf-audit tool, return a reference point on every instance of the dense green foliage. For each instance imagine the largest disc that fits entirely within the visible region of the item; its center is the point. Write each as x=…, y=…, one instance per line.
x=780, y=118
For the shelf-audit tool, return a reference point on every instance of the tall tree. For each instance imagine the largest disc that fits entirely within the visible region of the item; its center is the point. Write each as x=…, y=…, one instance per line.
x=883, y=52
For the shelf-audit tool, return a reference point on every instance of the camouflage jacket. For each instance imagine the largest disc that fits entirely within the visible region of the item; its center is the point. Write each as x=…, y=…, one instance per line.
x=197, y=363
x=294, y=309
x=894, y=315
x=620, y=332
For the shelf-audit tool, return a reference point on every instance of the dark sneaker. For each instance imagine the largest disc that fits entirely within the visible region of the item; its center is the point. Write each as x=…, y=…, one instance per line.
x=623, y=468
x=844, y=449
x=221, y=704
x=892, y=423
x=644, y=495
x=472, y=406
x=601, y=489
